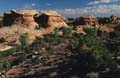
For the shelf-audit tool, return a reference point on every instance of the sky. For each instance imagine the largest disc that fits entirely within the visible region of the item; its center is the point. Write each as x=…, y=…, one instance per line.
x=68, y=8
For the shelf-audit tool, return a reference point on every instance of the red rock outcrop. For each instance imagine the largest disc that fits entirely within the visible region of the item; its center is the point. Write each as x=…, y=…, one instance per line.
x=90, y=20
x=51, y=19
x=115, y=19
x=86, y=20
x=22, y=17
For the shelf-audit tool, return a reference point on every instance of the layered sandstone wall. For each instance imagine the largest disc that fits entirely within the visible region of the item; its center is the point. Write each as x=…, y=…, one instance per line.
x=51, y=19
x=23, y=18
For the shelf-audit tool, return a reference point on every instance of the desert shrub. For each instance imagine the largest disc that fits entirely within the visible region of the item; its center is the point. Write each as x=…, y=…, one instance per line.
x=99, y=32
x=49, y=49
x=60, y=40
x=92, y=52
x=8, y=52
x=98, y=53
x=55, y=37
x=74, y=42
x=44, y=43
x=22, y=58
x=90, y=31
x=66, y=31
x=56, y=30
x=6, y=65
x=24, y=40
x=1, y=65
x=114, y=34
x=27, y=69
x=18, y=48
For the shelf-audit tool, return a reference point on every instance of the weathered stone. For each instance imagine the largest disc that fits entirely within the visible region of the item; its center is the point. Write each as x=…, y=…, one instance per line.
x=79, y=29
x=86, y=20
x=51, y=19
x=24, y=18
x=115, y=19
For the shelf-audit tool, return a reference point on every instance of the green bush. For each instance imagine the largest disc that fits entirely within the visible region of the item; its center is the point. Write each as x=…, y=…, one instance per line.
x=8, y=52
x=1, y=66
x=66, y=31
x=50, y=49
x=97, y=57
x=6, y=65
x=43, y=42
x=28, y=69
x=24, y=40
x=90, y=31
x=98, y=53
x=56, y=30
x=99, y=33
x=22, y=58
x=114, y=34
x=74, y=42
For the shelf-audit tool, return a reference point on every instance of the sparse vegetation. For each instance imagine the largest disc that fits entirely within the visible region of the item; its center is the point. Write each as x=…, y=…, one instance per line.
x=65, y=51
x=24, y=40
x=8, y=52
x=4, y=65
x=91, y=50
x=66, y=32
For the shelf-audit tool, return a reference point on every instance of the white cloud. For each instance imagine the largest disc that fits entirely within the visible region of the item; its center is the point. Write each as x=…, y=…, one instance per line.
x=101, y=1
x=93, y=10
x=49, y=4
x=29, y=6
x=33, y=4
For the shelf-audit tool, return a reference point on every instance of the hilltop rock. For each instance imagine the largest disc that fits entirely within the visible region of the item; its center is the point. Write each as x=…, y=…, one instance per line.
x=20, y=22
x=114, y=19
x=85, y=20
x=1, y=19
x=51, y=19
x=22, y=17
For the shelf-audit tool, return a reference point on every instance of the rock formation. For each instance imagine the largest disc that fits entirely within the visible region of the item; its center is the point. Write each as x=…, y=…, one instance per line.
x=106, y=29
x=1, y=19
x=50, y=19
x=114, y=19
x=22, y=17
x=80, y=30
x=86, y=20
x=90, y=20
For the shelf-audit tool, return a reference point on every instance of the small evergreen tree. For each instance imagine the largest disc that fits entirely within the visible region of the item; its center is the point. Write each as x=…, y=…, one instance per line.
x=56, y=36
x=1, y=65
x=24, y=40
x=66, y=31
x=92, y=52
x=7, y=65
x=90, y=31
